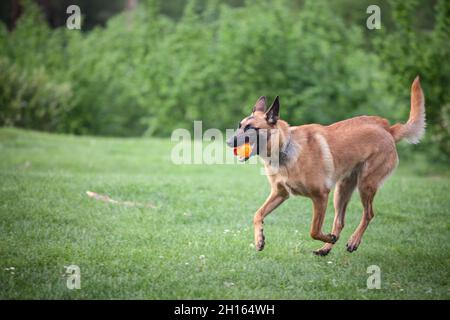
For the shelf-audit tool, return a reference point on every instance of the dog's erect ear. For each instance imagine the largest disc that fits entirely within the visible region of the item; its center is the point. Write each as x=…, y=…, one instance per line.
x=273, y=113
x=260, y=105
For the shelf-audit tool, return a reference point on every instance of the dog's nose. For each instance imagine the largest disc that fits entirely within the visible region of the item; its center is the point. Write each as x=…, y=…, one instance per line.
x=231, y=142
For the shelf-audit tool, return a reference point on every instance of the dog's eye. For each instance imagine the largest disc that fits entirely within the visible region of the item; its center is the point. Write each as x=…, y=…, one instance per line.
x=248, y=127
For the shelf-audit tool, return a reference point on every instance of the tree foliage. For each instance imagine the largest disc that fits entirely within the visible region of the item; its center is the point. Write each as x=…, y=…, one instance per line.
x=145, y=73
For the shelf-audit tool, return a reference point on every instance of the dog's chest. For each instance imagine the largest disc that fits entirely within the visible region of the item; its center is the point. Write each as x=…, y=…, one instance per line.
x=292, y=185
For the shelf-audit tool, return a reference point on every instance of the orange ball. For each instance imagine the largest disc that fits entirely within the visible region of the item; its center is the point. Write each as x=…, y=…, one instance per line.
x=243, y=150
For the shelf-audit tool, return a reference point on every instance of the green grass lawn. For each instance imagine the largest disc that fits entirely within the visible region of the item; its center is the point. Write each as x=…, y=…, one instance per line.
x=196, y=242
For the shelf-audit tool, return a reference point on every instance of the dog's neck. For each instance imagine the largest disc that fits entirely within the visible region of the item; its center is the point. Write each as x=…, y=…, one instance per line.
x=287, y=150
x=287, y=146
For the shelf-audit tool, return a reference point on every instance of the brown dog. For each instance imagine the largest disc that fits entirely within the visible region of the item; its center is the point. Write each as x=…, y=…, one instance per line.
x=312, y=159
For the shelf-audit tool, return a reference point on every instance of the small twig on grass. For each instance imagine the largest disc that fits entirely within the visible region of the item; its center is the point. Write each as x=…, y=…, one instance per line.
x=107, y=199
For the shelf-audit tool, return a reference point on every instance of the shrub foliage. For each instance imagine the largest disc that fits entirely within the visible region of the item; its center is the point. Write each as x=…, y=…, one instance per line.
x=145, y=73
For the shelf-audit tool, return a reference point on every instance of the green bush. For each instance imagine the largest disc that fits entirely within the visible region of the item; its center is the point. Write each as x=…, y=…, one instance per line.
x=31, y=99
x=408, y=52
x=144, y=73
x=212, y=65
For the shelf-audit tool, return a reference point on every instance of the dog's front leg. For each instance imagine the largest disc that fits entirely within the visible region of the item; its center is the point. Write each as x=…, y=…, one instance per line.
x=320, y=206
x=273, y=201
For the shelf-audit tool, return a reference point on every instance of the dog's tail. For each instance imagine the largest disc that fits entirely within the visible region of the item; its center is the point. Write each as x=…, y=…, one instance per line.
x=414, y=129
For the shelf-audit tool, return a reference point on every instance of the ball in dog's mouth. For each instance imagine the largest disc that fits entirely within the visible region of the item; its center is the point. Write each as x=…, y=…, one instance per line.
x=243, y=152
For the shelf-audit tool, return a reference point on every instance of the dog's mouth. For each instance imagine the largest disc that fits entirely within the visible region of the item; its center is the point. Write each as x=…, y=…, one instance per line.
x=245, y=151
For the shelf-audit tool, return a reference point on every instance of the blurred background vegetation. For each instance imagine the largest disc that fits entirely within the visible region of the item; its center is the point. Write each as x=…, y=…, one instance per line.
x=146, y=67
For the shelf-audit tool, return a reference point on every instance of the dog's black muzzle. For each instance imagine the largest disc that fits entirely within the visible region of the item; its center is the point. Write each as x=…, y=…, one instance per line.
x=251, y=136
x=237, y=140
x=241, y=136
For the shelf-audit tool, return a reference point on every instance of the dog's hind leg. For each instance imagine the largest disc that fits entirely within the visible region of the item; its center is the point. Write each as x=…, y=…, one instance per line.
x=342, y=195
x=275, y=198
x=371, y=176
x=367, y=194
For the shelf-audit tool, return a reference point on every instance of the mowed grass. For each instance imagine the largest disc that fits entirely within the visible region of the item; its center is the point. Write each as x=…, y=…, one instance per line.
x=196, y=243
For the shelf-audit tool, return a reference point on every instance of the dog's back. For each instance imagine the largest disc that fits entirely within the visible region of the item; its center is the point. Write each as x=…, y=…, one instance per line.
x=359, y=140
x=361, y=120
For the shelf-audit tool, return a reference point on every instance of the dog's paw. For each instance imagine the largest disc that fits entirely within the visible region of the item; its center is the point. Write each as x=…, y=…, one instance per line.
x=324, y=250
x=259, y=245
x=332, y=238
x=321, y=252
x=352, y=245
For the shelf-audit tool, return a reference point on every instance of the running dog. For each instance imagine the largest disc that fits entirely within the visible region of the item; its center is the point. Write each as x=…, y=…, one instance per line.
x=312, y=159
